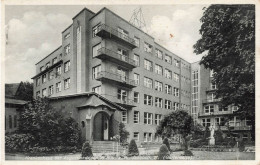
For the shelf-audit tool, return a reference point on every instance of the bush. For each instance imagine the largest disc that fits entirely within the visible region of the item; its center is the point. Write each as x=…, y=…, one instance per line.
x=241, y=146
x=232, y=142
x=123, y=133
x=132, y=149
x=19, y=142
x=196, y=143
x=86, y=150
x=166, y=142
x=188, y=153
x=164, y=153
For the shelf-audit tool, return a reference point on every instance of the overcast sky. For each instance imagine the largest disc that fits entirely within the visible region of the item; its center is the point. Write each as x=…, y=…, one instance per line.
x=35, y=31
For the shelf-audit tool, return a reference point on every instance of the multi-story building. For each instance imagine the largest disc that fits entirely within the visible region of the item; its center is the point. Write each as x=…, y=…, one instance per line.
x=103, y=53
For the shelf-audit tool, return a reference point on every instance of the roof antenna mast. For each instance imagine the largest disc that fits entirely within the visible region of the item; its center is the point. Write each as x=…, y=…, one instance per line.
x=137, y=19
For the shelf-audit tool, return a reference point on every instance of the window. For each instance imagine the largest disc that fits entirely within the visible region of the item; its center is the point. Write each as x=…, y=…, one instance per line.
x=136, y=117
x=168, y=74
x=176, y=77
x=157, y=119
x=175, y=106
x=211, y=97
x=44, y=78
x=209, y=108
x=159, y=54
x=15, y=121
x=219, y=121
x=95, y=50
x=213, y=86
x=67, y=36
x=211, y=73
x=122, y=73
x=136, y=136
x=206, y=122
x=58, y=71
x=124, y=117
x=50, y=75
x=51, y=90
x=48, y=65
x=158, y=102
x=148, y=100
x=168, y=59
x=168, y=104
x=123, y=53
x=10, y=122
x=158, y=69
x=95, y=71
x=67, y=83
x=158, y=86
x=148, y=82
x=148, y=65
x=176, y=63
x=137, y=41
x=38, y=80
x=136, y=78
x=54, y=61
x=38, y=94
x=95, y=30
x=234, y=108
x=67, y=66
x=41, y=68
x=122, y=95
x=67, y=49
x=97, y=89
x=147, y=137
x=148, y=47
x=148, y=118
x=168, y=89
x=137, y=60
x=124, y=34
x=136, y=97
x=176, y=92
x=44, y=92
x=58, y=87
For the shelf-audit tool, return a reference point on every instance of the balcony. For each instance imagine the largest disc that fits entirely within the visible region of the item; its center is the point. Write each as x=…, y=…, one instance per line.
x=115, y=79
x=106, y=54
x=217, y=113
x=241, y=128
x=105, y=31
x=125, y=102
x=208, y=101
x=48, y=69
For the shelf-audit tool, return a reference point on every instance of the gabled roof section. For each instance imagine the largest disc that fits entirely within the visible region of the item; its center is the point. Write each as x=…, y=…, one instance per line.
x=11, y=89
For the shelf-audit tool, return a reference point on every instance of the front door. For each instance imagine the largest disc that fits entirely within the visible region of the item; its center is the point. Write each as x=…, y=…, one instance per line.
x=101, y=126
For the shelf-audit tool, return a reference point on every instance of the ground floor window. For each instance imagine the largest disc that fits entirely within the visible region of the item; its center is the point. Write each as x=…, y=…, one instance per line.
x=148, y=118
x=136, y=136
x=124, y=117
x=148, y=137
x=136, y=117
x=206, y=122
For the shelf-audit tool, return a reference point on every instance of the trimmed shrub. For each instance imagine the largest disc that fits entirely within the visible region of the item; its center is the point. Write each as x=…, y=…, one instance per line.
x=19, y=142
x=86, y=150
x=132, y=149
x=241, y=146
x=232, y=142
x=166, y=142
x=188, y=153
x=164, y=153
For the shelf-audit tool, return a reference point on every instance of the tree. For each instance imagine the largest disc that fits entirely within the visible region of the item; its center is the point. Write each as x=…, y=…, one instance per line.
x=228, y=42
x=24, y=91
x=86, y=150
x=132, y=149
x=164, y=153
x=123, y=133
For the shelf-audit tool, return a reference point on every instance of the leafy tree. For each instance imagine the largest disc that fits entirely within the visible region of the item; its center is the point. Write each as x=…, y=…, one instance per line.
x=123, y=133
x=228, y=42
x=25, y=91
x=132, y=149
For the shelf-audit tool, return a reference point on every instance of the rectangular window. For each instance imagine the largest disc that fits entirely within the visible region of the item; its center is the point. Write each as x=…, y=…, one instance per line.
x=209, y=108
x=148, y=100
x=67, y=83
x=157, y=119
x=176, y=77
x=67, y=36
x=148, y=47
x=67, y=49
x=148, y=118
x=213, y=86
x=122, y=95
x=51, y=75
x=168, y=89
x=148, y=65
x=158, y=102
x=137, y=60
x=58, y=87
x=54, y=61
x=58, y=71
x=97, y=89
x=168, y=59
x=124, y=117
x=158, y=86
x=122, y=33
x=137, y=41
x=67, y=66
x=148, y=82
x=38, y=80
x=159, y=54
x=48, y=65
x=95, y=50
x=206, y=122
x=136, y=117
x=123, y=53
x=175, y=106
x=44, y=92
x=168, y=74
x=38, y=94
x=168, y=104
x=176, y=63
x=10, y=122
x=51, y=90
x=136, y=97
x=95, y=30
x=158, y=69
x=176, y=92
x=15, y=121
x=136, y=78
x=44, y=78
x=95, y=71
x=136, y=136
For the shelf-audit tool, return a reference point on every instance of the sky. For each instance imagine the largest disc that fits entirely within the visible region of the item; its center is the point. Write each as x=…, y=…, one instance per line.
x=35, y=31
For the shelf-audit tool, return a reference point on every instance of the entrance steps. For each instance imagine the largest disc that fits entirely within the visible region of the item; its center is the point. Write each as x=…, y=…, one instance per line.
x=105, y=147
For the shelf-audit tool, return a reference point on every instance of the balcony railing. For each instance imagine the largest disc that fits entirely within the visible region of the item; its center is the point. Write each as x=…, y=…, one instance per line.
x=205, y=101
x=104, y=53
x=116, y=78
x=124, y=101
x=215, y=113
x=107, y=32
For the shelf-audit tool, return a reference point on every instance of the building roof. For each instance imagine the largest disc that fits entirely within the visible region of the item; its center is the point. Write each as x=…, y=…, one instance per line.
x=11, y=89
x=14, y=101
